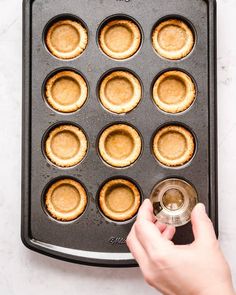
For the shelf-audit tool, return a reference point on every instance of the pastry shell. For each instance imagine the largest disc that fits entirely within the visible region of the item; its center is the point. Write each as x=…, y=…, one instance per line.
x=61, y=36
x=112, y=138
x=119, y=199
x=120, y=53
x=66, y=78
x=71, y=140
x=66, y=200
x=183, y=30
x=184, y=102
x=175, y=150
x=124, y=82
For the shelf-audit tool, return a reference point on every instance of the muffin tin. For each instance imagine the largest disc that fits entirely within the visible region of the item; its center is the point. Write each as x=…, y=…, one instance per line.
x=93, y=238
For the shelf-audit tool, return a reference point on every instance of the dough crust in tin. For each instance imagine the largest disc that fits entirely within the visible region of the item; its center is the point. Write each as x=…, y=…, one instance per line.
x=66, y=200
x=66, y=145
x=119, y=199
x=66, y=91
x=173, y=146
x=120, y=145
x=174, y=92
x=66, y=39
x=120, y=39
x=120, y=92
x=173, y=39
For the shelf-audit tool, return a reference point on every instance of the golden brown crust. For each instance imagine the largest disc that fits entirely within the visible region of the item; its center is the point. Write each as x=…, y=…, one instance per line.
x=174, y=92
x=66, y=39
x=66, y=200
x=119, y=199
x=173, y=146
x=173, y=39
x=66, y=91
x=120, y=145
x=66, y=146
x=120, y=92
x=120, y=39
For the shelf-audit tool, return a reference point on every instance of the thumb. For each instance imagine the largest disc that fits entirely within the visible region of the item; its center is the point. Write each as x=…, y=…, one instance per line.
x=203, y=229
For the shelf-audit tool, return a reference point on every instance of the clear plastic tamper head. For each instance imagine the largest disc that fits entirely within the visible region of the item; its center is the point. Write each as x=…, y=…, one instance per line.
x=173, y=201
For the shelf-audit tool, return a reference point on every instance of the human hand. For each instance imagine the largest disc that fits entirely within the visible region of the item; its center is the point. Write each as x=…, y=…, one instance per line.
x=196, y=269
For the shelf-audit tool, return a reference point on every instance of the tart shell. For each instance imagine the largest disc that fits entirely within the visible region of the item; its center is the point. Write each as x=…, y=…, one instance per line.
x=119, y=199
x=168, y=143
x=129, y=26
x=171, y=26
x=123, y=79
x=71, y=140
x=66, y=78
x=183, y=103
x=133, y=140
x=60, y=36
x=66, y=200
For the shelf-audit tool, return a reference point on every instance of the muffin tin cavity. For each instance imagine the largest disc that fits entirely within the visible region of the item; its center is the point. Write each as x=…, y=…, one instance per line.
x=173, y=201
x=120, y=92
x=173, y=39
x=119, y=199
x=120, y=145
x=173, y=145
x=65, y=199
x=120, y=38
x=66, y=145
x=66, y=91
x=66, y=38
x=174, y=91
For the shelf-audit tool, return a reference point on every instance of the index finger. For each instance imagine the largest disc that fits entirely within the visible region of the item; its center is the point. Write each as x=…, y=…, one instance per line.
x=147, y=232
x=146, y=212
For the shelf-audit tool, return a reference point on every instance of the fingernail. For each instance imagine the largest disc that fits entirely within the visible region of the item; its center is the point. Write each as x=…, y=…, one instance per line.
x=201, y=207
x=147, y=201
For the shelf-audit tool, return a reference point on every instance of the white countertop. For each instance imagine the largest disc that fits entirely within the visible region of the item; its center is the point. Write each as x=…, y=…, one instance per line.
x=25, y=272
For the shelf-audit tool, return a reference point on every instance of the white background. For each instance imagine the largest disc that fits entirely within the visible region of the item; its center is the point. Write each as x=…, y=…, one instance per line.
x=25, y=272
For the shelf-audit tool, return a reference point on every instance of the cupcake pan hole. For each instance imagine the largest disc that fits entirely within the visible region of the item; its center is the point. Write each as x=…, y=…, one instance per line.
x=119, y=145
x=174, y=91
x=65, y=90
x=65, y=145
x=70, y=200
x=119, y=91
x=167, y=33
x=119, y=37
x=118, y=200
x=66, y=37
x=174, y=145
